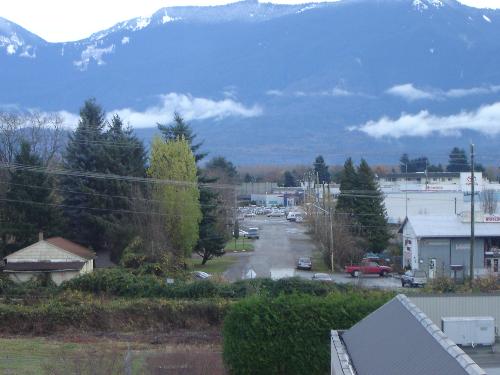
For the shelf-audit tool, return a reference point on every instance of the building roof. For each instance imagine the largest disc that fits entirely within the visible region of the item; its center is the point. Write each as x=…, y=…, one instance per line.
x=423, y=175
x=398, y=338
x=71, y=247
x=446, y=226
x=42, y=266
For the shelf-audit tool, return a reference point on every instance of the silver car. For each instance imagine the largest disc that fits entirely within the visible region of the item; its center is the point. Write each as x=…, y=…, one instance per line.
x=304, y=263
x=414, y=278
x=322, y=277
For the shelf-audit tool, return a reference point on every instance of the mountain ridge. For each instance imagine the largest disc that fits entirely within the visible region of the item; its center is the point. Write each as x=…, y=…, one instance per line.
x=283, y=83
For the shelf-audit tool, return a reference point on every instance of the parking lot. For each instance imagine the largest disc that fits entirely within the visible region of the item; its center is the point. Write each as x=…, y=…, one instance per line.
x=276, y=251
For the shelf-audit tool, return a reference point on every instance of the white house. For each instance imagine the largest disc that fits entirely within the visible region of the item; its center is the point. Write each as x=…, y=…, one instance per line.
x=59, y=258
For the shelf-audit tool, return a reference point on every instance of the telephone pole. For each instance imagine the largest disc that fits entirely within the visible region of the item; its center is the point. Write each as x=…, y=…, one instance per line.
x=472, y=218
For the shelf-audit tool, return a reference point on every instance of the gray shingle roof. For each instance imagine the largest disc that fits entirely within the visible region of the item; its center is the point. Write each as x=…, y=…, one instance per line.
x=398, y=338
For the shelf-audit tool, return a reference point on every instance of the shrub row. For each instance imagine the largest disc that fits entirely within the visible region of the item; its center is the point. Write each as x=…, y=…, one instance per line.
x=120, y=282
x=83, y=312
x=290, y=334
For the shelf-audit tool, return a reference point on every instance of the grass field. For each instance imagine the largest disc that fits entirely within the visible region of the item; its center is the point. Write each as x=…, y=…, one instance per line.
x=98, y=356
x=214, y=266
x=239, y=245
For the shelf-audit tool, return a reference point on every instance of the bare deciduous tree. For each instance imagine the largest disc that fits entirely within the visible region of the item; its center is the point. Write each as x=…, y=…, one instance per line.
x=489, y=201
x=43, y=131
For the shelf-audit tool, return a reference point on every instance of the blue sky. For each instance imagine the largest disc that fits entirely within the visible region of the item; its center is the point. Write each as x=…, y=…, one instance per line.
x=68, y=20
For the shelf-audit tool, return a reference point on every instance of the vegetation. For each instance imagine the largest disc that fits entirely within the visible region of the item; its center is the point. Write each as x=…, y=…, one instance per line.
x=239, y=245
x=362, y=204
x=174, y=161
x=290, y=333
x=321, y=170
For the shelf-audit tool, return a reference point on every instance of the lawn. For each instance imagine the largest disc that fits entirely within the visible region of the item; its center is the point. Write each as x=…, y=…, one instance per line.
x=32, y=356
x=214, y=266
x=91, y=355
x=242, y=244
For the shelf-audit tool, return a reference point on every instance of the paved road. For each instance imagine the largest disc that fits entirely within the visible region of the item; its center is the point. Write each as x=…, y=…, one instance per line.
x=276, y=252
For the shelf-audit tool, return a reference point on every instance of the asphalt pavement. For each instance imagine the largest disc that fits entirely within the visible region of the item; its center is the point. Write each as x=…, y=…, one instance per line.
x=276, y=252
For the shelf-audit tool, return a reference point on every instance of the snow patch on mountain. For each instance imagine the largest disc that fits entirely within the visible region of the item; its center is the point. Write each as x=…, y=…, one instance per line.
x=140, y=23
x=13, y=44
x=306, y=8
x=166, y=18
x=486, y=18
x=125, y=40
x=422, y=5
x=92, y=52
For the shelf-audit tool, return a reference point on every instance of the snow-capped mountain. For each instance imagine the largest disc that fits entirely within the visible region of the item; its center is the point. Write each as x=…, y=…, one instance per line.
x=280, y=81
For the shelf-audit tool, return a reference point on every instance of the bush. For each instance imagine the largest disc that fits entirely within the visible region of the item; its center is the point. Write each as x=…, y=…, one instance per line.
x=122, y=283
x=290, y=334
x=84, y=312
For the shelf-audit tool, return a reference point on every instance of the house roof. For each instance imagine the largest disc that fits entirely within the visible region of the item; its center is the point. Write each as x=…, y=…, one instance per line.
x=398, y=338
x=449, y=226
x=43, y=266
x=71, y=247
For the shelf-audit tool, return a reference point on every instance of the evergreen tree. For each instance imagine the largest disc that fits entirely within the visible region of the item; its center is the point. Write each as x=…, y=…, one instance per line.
x=95, y=208
x=221, y=169
x=458, y=161
x=404, y=162
x=347, y=200
x=247, y=178
x=26, y=219
x=174, y=160
x=124, y=155
x=180, y=129
x=370, y=209
x=85, y=153
x=289, y=179
x=321, y=170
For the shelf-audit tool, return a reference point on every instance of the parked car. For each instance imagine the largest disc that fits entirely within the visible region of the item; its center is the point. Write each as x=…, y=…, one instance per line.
x=292, y=216
x=253, y=233
x=368, y=268
x=322, y=277
x=200, y=275
x=243, y=233
x=276, y=213
x=304, y=263
x=414, y=278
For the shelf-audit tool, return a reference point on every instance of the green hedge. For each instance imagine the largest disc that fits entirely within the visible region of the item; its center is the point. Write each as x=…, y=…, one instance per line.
x=122, y=283
x=290, y=334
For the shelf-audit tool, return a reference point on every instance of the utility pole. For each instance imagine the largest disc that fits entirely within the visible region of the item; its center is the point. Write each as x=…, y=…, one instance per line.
x=472, y=218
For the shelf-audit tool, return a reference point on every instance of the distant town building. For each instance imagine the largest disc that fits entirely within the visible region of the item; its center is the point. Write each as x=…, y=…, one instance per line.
x=56, y=257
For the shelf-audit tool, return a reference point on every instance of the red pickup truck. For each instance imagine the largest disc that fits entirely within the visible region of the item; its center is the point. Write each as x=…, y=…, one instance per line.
x=368, y=268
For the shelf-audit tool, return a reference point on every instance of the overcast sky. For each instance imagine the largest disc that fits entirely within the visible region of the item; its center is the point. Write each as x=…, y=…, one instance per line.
x=67, y=20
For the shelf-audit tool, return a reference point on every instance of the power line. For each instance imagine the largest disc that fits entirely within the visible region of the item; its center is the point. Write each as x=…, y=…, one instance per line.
x=110, y=176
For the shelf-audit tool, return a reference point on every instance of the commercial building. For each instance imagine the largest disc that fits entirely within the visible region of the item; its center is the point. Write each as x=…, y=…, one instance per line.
x=440, y=244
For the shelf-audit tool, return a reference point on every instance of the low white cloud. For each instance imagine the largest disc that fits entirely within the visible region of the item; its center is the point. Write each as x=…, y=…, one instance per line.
x=191, y=108
x=411, y=93
x=335, y=92
x=485, y=120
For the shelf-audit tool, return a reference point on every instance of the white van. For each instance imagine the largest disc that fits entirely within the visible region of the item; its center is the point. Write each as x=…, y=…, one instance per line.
x=292, y=216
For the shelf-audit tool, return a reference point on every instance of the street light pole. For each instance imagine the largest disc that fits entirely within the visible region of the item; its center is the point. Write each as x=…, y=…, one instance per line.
x=406, y=189
x=472, y=216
